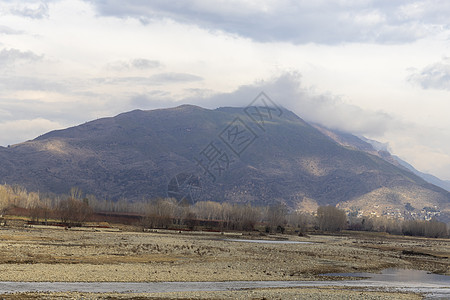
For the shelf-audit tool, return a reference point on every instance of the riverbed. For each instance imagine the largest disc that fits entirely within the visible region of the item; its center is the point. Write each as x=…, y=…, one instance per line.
x=66, y=260
x=433, y=286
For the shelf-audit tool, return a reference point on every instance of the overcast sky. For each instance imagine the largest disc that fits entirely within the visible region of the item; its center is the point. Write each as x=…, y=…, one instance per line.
x=375, y=68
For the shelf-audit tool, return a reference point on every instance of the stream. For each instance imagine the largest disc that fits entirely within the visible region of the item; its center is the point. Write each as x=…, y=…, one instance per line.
x=432, y=285
x=266, y=241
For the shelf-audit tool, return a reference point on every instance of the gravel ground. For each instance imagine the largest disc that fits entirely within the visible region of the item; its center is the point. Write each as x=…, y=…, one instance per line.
x=45, y=254
x=285, y=294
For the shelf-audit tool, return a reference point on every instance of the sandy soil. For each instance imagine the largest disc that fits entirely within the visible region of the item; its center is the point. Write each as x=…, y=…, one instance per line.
x=43, y=254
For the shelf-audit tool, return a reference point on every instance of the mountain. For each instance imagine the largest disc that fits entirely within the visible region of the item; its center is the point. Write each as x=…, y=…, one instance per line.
x=239, y=155
x=351, y=141
x=445, y=184
x=381, y=150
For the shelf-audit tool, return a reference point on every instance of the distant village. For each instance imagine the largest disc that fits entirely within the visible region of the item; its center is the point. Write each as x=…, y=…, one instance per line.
x=407, y=213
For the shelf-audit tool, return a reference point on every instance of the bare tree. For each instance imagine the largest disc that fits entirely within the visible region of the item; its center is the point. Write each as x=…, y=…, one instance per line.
x=331, y=218
x=75, y=193
x=4, y=199
x=436, y=229
x=160, y=213
x=299, y=220
x=433, y=228
x=208, y=210
x=73, y=211
x=276, y=217
x=244, y=217
x=227, y=211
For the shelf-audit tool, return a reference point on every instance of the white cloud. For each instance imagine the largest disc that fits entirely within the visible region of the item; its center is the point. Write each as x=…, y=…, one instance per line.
x=288, y=91
x=30, y=10
x=174, y=77
x=156, y=79
x=9, y=30
x=71, y=61
x=134, y=64
x=327, y=22
x=23, y=130
x=5, y=114
x=28, y=83
x=12, y=56
x=433, y=76
x=426, y=147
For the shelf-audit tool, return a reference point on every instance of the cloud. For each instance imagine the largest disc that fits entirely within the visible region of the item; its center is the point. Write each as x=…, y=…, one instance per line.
x=434, y=76
x=23, y=130
x=299, y=22
x=157, y=79
x=152, y=100
x=175, y=77
x=12, y=56
x=5, y=114
x=27, y=83
x=426, y=147
x=286, y=90
x=325, y=109
x=135, y=64
x=9, y=31
x=34, y=11
x=143, y=64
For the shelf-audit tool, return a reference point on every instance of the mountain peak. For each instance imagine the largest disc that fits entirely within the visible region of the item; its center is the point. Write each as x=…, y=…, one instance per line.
x=266, y=160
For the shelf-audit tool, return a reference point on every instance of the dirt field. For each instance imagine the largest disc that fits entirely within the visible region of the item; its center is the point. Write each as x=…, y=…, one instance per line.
x=44, y=254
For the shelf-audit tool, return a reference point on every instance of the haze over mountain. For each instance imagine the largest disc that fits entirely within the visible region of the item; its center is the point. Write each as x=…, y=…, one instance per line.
x=445, y=184
x=255, y=155
x=379, y=149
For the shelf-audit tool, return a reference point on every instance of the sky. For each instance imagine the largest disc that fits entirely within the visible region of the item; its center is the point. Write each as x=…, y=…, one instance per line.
x=379, y=69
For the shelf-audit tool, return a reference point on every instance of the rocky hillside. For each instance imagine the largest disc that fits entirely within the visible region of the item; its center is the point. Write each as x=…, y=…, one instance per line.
x=251, y=155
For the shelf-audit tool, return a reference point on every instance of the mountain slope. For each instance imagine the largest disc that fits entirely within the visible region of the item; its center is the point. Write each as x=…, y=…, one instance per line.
x=259, y=158
x=379, y=149
x=445, y=184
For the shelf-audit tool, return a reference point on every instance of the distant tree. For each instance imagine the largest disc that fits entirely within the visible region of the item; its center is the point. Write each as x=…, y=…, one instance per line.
x=243, y=217
x=40, y=212
x=160, y=213
x=189, y=218
x=208, y=210
x=413, y=227
x=276, y=217
x=432, y=229
x=73, y=211
x=227, y=211
x=251, y=215
x=436, y=229
x=331, y=218
x=301, y=220
x=4, y=199
x=75, y=193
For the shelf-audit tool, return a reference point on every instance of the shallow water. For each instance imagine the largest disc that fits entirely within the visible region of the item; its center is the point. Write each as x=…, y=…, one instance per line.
x=267, y=241
x=432, y=285
x=400, y=275
x=138, y=287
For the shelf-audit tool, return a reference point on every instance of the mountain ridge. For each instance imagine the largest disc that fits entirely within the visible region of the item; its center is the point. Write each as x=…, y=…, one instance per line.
x=139, y=154
x=445, y=184
x=379, y=149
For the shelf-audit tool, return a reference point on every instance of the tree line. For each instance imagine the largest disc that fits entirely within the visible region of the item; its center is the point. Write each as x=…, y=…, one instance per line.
x=76, y=208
